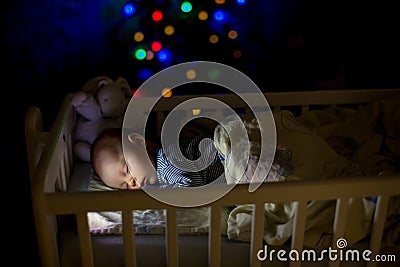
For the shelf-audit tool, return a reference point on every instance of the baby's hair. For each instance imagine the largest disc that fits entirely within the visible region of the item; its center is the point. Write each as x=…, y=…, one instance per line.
x=112, y=134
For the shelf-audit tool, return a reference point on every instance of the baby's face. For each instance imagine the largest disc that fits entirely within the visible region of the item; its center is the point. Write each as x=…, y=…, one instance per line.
x=130, y=172
x=113, y=169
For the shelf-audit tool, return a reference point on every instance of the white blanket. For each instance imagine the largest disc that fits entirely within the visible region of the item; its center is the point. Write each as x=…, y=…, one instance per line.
x=327, y=143
x=191, y=221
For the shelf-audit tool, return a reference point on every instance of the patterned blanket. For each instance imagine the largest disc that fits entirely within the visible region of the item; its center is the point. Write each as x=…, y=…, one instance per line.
x=334, y=142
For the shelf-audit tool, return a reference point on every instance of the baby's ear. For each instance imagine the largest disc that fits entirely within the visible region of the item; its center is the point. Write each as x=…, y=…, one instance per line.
x=136, y=139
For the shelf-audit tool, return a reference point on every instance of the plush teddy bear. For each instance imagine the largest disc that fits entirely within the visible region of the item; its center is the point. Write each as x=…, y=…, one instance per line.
x=100, y=105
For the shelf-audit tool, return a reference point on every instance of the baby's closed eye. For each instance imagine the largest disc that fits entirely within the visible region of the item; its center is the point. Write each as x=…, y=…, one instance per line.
x=125, y=169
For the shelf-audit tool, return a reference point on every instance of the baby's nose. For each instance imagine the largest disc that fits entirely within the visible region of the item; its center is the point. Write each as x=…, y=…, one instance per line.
x=132, y=185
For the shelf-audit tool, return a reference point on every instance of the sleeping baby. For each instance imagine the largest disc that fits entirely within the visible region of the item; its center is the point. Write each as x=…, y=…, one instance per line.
x=145, y=163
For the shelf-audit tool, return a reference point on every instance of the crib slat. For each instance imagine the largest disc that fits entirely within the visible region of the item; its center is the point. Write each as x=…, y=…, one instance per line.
x=298, y=230
x=340, y=221
x=67, y=168
x=304, y=108
x=214, y=237
x=62, y=183
x=129, y=238
x=257, y=233
x=85, y=240
x=377, y=228
x=70, y=154
x=339, y=224
x=172, y=238
x=47, y=238
x=68, y=161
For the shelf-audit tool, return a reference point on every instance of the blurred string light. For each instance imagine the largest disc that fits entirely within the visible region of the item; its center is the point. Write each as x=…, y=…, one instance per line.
x=157, y=15
x=138, y=36
x=164, y=56
x=145, y=73
x=190, y=74
x=220, y=15
x=169, y=30
x=214, y=74
x=237, y=53
x=203, y=15
x=156, y=46
x=232, y=34
x=140, y=53
x=214, y=38
x=148, y=42
x=166, y=92
x=196, y=111
x=186, y=6
x=129, y=9
x=149, y=55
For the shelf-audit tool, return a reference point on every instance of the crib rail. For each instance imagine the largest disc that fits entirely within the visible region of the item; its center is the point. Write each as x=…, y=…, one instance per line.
x=276, y=100
x=297, y=98
x=299, y=191
x=51, y=170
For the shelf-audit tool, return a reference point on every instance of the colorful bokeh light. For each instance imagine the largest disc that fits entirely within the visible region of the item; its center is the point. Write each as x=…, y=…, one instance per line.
x=149, y=55
x=232, y=34
x=144, y=74
x=169, y=30
x=220, y=15
x=138, y=36
x=166, y=92
x=190, y=74
x=129, y=9
x=164, y=55
x=213, y=39
x=203, y=15
x=157, y=15
x=156, y=46
x=196, y=112
x=140, y=53
x=237, y=53
x=186, y=6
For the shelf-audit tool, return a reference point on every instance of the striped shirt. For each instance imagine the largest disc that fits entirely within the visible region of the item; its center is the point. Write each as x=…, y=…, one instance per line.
x=174, y=170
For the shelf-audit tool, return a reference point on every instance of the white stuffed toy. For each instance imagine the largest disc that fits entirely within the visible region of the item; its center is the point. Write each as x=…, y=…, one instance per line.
x=101, y=104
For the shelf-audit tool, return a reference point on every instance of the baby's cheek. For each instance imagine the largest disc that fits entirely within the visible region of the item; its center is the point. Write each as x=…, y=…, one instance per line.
x=134, y=157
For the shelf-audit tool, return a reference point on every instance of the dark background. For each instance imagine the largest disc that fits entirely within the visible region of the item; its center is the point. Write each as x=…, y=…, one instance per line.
x=52, y=47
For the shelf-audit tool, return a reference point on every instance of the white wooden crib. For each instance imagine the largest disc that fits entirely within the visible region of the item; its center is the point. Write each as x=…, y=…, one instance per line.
x=52, y=164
